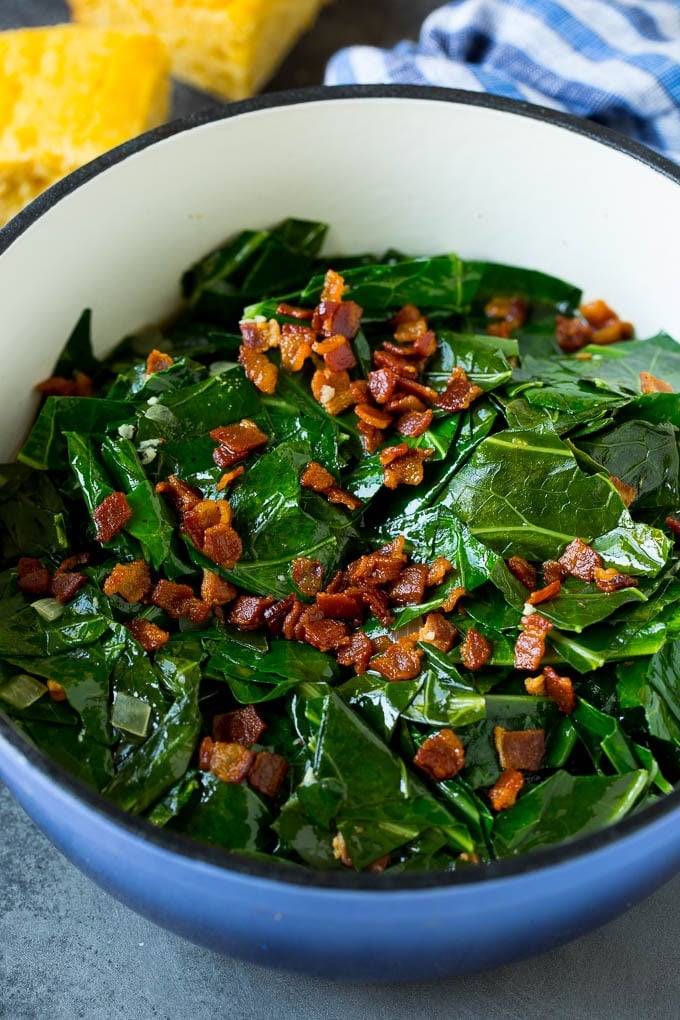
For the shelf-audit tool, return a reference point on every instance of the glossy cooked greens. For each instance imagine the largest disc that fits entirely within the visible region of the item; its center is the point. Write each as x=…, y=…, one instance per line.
x=522, y=471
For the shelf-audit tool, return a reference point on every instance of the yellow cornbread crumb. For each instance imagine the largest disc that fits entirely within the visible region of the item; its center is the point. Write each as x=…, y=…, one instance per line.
x=227, y=47
x=67, y=94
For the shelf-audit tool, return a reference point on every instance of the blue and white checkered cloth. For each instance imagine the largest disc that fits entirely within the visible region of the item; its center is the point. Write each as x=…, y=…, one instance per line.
x=617, y=63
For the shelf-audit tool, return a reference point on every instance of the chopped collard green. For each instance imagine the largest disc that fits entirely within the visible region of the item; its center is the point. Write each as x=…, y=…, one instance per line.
x=358, y=563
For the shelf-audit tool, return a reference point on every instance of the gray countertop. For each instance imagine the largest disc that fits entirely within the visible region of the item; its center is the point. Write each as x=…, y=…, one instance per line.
x=68, y=950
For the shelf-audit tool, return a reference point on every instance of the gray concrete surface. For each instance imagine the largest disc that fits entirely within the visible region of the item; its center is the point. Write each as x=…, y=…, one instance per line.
x=69, y=951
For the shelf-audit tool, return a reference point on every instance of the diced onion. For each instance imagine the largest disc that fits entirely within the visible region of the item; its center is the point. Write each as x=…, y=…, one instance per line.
x=130, y=714
x=22, y=690
x=48, y=609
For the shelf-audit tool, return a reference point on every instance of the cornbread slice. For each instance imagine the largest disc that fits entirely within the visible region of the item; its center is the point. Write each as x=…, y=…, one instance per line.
x=67, y=94
x=227, y=47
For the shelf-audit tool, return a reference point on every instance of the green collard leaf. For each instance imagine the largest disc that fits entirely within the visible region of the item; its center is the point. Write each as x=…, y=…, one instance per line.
x=617, y=368
x=232, y=816
x=653, y=686
x=644, y=456
x=32, y=514
x=635, y=549
x=45, y=447
x=580, y=605
x=483, y=358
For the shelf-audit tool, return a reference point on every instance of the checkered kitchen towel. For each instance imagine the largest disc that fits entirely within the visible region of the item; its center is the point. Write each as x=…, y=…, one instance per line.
x=615, y=62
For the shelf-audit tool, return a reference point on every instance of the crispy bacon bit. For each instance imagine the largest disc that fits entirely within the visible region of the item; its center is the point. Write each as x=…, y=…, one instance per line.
x=33, y=578
x=360, y=391
x=268, y=772
x=414, y=423
x=357, y=652
x=333, y=286
x=580, y=560
x=535, y=685
x=341, y=605
x=628, y=493
x=332, y=390
x=259, y=369
x=178, y=600
x=229, y=476
x=293, y=311
x=523, y=571
x=424, y=393
x=674, y=524
x=553, y=571
x=373, y=416
x=260, y=335
x=597, y=313
x=613, y=332
x=371, y=438
x=452, y=599
x=403, y=465
x=132, y=581
x=157, y=361
x=244, y=726
x=409, y=587
x=229, y=762
x=572, y=334
x=215, y=590
x=64, y=586
x=55, y=691
x=200, y=517
x=512, y=311
x=503, y=794
x=559, y=689
x=57, y=386
x=442, y=755
x=71, y=562
x=608, y=327
x=247, y=612
x=317, y=478
x=340, y=497
x=459, y=392
x=336, y=353
x=236, y=441
x=399, y=365
x=530, y=645
x=223, y=545
x=650, y=384
x=475, y=650
x=319, y=631
x=380, y=567
x=205, y=754
x=307, y=575
x=376, y=601
x=401, y=661
x=438, y=631
x=111, y=516
x=149, y=635
x=291, y=619
x=438, y=570
x=181, y=493
x=295, y=346
x=340, y=851
x=611, y=580
x=519, y=749
x=544, y=594
x=382, y=383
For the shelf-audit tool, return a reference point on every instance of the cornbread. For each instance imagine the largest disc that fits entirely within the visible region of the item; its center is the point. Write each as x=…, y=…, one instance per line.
x=67, y=94
x=227, y=47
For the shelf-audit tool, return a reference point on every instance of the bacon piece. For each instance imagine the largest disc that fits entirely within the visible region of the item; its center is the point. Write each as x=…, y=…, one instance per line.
x=205, y=754
x=400, y=661
x=243, y=726
x=424, y=393
x=403, y=465
x=674, y=524
x=360, y=391
x=307, y=575
x=397, y=364
x=535, y=685
x=371, y=438
x=340, y=497
x=613, y=332
x=357, y=652
x=332, y=391
x=337, y=317
x=459, y=392
x=157, y=361
x=380, y=567
x=229, y=762
x=572, y=334
x=215, y=590
x=111, y=516
x=608, y=327
x=260, y=335
x=63, y=585
x=530, y=644
x=438, y=631
x=295, y=345
x=268, y=772
x=319, y=631
x=181, y=493
x=611, y=580
x=373, y=416
x=341, y=605
x=580, y=560
x=519, y=749
x=404, y=403
x=236, y=441
x=333, y=286
x=199, y=518
x=475, y=650
x=523, y=571
x=336, y=353
x=229, y=477
x=414, y=423
x=544, y=594
x=291, y=620
x=628, y=493
x=438, y=570
x=316, y=478
x=382, y=383
x=57, y=386
x=408, y=331
x=261, y=372
x=452, y=599
x=503, y=794
x=340, y=851
x=553, y=571
x=132, y=581
x=376, y=600
x=223, y=545
x=409, y=587
x=178, y=600
x=597, y=313
x=247, y=612
x=650, y=384
x=149, y=635
x=293, y=311
x=32, y=577
x=441, y=755
x=276, y=614
x=512, y=311
x=56, y=691
x=559, y=689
